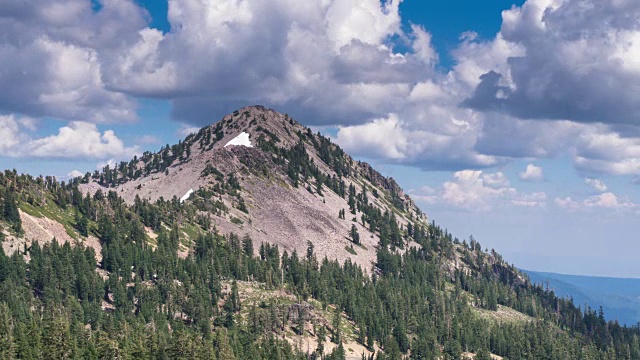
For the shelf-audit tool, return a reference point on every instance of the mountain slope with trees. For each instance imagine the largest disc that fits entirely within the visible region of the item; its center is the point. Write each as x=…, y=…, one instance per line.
x=292, y=186
x=160, y=278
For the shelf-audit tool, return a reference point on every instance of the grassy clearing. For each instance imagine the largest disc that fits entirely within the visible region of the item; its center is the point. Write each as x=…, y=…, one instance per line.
x=192, y=231
x=31, y=210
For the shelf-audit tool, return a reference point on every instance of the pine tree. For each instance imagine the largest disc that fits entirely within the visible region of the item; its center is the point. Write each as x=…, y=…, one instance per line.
x=183, y=346
x=221, y=343
x=247, y=245
x=392, y=350
x=355, y=236
x=10, y=211
x=337, y=329
x=7, y=345
x=82, y=224
x=322, y=334
x=483, y=354
x=56, y=339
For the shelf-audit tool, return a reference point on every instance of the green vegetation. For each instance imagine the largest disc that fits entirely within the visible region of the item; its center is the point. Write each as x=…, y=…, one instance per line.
x=354, y=235
x=159, y=305
x=10, y=210
x=426, y=296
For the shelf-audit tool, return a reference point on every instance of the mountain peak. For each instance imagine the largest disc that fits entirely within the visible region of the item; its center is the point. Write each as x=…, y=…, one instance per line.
x=258, y=172
x=259, y=123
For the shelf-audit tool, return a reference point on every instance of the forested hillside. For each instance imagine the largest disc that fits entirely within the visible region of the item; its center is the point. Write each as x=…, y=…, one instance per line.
x=143, y=300
x=157, y=279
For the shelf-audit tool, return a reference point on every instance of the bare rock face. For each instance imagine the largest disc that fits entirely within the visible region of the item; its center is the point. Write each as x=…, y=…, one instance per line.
x=266, y=186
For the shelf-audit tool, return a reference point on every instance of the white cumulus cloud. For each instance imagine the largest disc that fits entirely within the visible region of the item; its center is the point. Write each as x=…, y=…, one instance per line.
x=75, y=174
x=476, y=190
x=579, y=62
x=532, y=173
x=77, y=140
x=552, y=81
x=50, y=53
x=604, y=201
x=596, y=184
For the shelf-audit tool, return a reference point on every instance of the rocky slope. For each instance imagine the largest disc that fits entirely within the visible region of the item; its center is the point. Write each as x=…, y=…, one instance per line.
x=255, y=194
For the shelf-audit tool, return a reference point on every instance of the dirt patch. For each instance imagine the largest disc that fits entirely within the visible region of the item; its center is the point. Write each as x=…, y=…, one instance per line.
x=504, y=314
x=471, y=356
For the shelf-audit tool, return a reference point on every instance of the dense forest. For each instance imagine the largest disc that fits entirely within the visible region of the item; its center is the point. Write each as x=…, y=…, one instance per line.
x=142, y=301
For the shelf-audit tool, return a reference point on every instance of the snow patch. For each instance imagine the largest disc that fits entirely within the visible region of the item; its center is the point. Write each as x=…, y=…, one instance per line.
x=186, y=196
x=240, y=140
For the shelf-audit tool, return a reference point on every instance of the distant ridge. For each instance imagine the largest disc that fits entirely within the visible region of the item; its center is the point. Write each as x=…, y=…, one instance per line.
x=619, y=297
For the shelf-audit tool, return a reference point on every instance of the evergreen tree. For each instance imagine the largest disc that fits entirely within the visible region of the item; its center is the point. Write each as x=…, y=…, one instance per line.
x=336, y=335
x=82, y=224
x=10, y=211
x=355, y=236
x=7, y=344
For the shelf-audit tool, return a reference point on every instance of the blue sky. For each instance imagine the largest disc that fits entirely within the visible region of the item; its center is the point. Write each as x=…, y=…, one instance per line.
x=516, y=122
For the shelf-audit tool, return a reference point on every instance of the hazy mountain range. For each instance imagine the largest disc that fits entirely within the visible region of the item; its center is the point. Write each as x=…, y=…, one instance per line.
x=619, y=297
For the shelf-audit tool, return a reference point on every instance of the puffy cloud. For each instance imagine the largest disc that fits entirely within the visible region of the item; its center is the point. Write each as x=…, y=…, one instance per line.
x=476, y=58
x=468, y=190
x=319, y=58
x=605, y=201
x=185, y=130
x=112, y=163
x=504, y=135
x=476, y=190
x=596, y=184
x=325, y=62
x=532, y=173
x=337, y=62
x=579, y=62
x=50, y=58
x=10, y=133
x=78, y=140
x=595, y=148
x=522, y=83
x=74, y=174
x=608, y=152
x=385, y=137
x=430, y=142
x=496, y=180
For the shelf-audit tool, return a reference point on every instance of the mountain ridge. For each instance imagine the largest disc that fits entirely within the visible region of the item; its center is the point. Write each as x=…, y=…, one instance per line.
x=619, y=297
